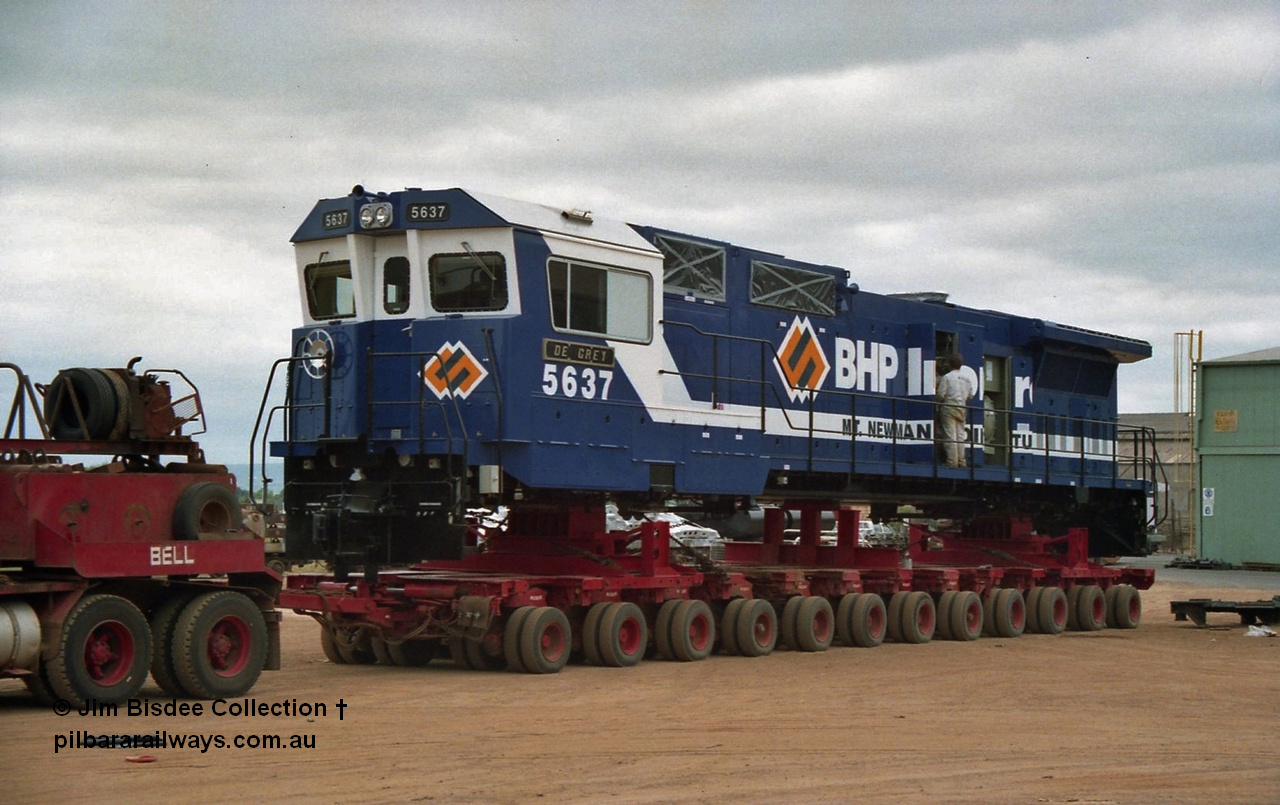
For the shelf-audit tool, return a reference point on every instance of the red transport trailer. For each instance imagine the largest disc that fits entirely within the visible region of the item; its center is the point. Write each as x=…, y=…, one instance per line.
x=553, y=584
x=140, y=564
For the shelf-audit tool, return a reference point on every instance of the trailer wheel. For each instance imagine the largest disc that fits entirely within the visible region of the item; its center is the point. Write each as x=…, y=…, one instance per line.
x=1033, y=609
x=353, y=645
x=206, y=509
x=591, y=633
x=479, y=657
x=1009, y=613
x=105, y=651
x=407, y=654
x=1091, y=608
x=989, y=611
x=38, y=683
x=329, y=645
x=787, y=622
x=546, y=639
x=458, y=652
x=511, y=638
x=1126, y=608
x=163, y=621
x=1051, y=610
x=662, y=628
x=868, y=621
x=693, y=631
x=220, y=645
x=966, y=616
x=757, y=628
x=815, y=624
x=623, y=635
x=946, y=602
x=894, y=607
x=1073, y=605
x=919, y=618
x=729, y=625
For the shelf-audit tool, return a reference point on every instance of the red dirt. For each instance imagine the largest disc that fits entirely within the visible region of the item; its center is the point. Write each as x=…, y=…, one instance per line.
x=1166, y=713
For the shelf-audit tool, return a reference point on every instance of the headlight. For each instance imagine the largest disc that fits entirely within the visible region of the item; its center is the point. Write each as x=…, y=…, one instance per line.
x=375, y=216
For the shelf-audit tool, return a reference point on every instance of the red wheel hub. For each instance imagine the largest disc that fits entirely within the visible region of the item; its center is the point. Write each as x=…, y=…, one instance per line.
x=108, y=653
x=228, y=646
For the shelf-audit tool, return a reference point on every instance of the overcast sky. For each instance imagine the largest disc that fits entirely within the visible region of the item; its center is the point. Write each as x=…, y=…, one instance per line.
x=1114, y=166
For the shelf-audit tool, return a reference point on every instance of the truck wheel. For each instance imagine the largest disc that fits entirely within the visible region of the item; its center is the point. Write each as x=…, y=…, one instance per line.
x=591, y=633
x=1073, y=607
x=1032, y=598
x=480, y=659
x=729, y=625
x=867, y=621
x=815, y=624
x=1009, y=613
x=944, y=606
x=1051, y=610
x=1126, y=609
x=919, y=618
x=623, y=635
x=1091, y=608
x=105, y=651
x=966, y=616
x=329, y=645
x=894, y=607
x=757, y=628
x=511, y=638
x=787, y=622
x=692, y=631
x=162, y=623
x=220, y=645
x=207, y=509
x=546, y=640
x=662, y=629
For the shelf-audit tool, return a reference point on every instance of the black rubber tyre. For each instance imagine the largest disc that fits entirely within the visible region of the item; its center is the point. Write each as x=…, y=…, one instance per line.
x=662, y=628
x=844, y=618
x=815, y=624
x=894, y=609
x=1051, y=610
x=692, y=631
x=591, y=633
x=354, y=645
x=96, y=395
x=1033, y=609
x=1009, y=613
x=966, y=616
x=38, y=683
x=1091, y=609
x=787, y=622
x=206, y=510
x=868, y=621
x=756, y=628
x=546, y=640
x=946, y=602
x=480, y=659
x=729, y=625
x=1073, y=611
x=511, y=638
x=1126, y=608
x=989, y=612
x=623, y=635
x=220, y=645
x=329, y=645
x=919, y=618
x=105, y=652
x=162, y=629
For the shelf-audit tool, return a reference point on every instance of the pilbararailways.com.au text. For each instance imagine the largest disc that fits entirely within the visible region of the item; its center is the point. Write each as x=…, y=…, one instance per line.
x=163, y=739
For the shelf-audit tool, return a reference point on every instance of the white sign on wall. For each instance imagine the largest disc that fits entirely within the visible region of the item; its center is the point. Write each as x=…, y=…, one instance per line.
x=1207, y=496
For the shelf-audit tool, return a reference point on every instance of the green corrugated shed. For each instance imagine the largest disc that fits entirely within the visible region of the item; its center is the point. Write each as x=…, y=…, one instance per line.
x=1238, y=443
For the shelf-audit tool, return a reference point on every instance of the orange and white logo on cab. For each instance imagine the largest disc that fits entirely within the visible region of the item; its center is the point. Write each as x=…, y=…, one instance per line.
x=801, y=361
x=453, y=371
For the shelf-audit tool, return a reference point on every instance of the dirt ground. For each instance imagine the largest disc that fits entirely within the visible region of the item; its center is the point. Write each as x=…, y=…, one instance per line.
x=1166, y=713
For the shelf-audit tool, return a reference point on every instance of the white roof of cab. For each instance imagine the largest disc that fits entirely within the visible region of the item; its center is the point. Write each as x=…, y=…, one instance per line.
x=547, y=218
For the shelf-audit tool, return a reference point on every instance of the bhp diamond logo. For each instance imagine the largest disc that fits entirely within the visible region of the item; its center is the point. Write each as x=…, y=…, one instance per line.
x=453, y=371
x=800, y=360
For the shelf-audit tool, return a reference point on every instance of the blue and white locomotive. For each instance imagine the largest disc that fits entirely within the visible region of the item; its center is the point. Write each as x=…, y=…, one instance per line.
x=460, y=349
